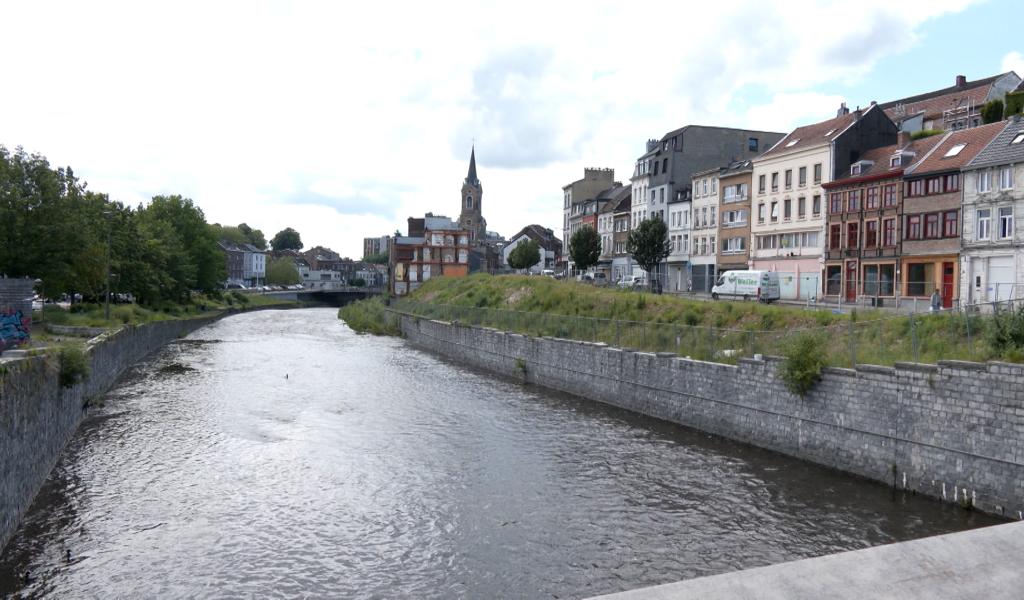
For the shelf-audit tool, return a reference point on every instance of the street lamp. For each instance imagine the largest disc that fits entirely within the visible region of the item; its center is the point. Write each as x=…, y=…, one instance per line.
x=106, y=296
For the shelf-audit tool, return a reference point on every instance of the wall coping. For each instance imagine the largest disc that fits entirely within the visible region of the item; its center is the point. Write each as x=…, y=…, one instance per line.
x=919, y=367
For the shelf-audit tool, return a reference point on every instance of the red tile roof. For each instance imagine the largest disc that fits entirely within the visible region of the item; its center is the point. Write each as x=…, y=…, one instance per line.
x=933, y=103
x=880, y=157
x=811, y=135
x=975, y=140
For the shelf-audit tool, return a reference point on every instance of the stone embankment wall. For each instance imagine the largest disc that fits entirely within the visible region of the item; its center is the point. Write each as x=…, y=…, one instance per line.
x=954, y=431
x=38, y=416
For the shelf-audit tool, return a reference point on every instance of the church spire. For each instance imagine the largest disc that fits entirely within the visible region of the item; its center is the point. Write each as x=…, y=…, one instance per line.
x=471, y=177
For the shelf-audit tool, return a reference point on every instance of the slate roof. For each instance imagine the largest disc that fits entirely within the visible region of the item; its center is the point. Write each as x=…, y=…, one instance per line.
x=735, y=168
x=624, y=205
x=543, y=236
x=976, y=139
x=1001, y=151
x=933, y=103
x=812, y=135
x=880, y=157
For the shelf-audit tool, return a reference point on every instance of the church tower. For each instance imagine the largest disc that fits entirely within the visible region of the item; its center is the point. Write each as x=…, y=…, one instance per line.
x=472, y=217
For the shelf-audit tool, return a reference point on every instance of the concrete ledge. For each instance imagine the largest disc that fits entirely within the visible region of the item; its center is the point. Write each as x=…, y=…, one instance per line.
x=963, y=364
x=919, y=367
x=875, y=369
x=981, y=563
x=841, y=371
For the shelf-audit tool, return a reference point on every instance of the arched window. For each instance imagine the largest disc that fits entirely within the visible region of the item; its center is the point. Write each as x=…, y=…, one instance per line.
x=469, y=202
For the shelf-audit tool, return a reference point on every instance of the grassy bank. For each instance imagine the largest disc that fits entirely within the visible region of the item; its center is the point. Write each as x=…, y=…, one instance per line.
x=721, y=331
x=93, y=315
x=368, y=316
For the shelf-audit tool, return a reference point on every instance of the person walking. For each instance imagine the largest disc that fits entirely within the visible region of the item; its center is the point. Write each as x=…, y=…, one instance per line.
x=936, y=301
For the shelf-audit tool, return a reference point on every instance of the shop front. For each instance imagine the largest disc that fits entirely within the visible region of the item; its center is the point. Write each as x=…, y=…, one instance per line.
x=923, y=275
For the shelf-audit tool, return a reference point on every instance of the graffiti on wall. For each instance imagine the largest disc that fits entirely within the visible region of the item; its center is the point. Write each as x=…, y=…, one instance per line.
x=14, y=329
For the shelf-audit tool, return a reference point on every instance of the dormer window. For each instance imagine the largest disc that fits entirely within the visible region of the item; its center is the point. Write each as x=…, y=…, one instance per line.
x=894, y=162
x=855, y=169
x=830, y=132
x=792, y=142
x=954, y=150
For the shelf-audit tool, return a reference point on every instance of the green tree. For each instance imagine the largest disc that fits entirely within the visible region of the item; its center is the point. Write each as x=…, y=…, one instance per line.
x=282, y=271
x=585, y=247
x=524, y=255
x=1014, y=104
x=286, y=239
x=649, y=244
x=204, y=268
x=253, y=236
x=992, y=112
x=377, y=259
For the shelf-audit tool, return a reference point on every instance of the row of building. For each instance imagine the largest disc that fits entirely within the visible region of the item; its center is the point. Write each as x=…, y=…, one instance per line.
x=318, y=267
x=898, y=199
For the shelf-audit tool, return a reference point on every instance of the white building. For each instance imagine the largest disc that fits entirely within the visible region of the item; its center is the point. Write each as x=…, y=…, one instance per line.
x=704, y=230
x=550, y=247
x=679, y=237
x=992, y=258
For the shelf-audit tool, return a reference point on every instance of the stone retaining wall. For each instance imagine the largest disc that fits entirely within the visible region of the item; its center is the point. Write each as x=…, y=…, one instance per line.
x=953, y=431
x=38, y=416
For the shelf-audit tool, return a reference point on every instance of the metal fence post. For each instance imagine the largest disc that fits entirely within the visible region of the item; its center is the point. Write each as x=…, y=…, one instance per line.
x=618, y=339
x=853, y=344
x=913, y=339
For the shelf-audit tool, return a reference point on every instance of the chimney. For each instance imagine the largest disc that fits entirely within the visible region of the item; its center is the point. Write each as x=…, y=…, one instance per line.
x=651, y=145
x=902, y=139
x=842, y=110
x=961, y=81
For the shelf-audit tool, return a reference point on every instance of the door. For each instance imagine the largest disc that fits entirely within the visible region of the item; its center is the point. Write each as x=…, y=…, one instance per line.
x=1000, y=278
x=947, y=285
x=851, y=281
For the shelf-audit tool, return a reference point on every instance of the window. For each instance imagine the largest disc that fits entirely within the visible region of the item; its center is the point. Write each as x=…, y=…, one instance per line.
x=949, y=224
x=889, y=232
x=953, y=182
x=792, y=142
x=787, y=209
x=919, y=279
x=1006, y=222
x=775, y=211
x=714, y=185
x=870, y=234
x=705, y=187
x=914, y=227
x=662, y=195
x=712, y=246
x=767, y=242
x=855, y=169
x=652, y=195
x=714, y=212
x=655, y=167
x=984, y=181
x=760, y=213
x=801, y=207
x=816, y=205
x=954, y=150
x=1006, y=178
x=752, y=144
x=802, y=177
x=852, y=234
x=983, y=221
x=872, y=200
x=935, y=185
x=789, y=179
x=853, y=201
x=810, y=239
x=835, y=236
x=1019, y=138
x=931, y=225
x=760, y=184
x=889, y=195
x=775, y=182
x=894, y=161
x=833, y=280
x=735, y=244
x=817, y=173
x=664, y=165
x=469, y=202
x=835, y=202
x=915, y=188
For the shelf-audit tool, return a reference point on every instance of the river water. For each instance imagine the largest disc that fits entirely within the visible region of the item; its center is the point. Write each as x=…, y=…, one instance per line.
x=279, y=454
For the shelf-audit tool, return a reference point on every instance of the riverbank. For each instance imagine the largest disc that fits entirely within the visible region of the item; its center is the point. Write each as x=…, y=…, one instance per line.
x=41, y=407
x=722, y=331
x=952, y=431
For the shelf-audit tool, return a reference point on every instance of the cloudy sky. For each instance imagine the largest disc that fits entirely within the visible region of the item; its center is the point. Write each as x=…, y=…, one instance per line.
x=342, y=119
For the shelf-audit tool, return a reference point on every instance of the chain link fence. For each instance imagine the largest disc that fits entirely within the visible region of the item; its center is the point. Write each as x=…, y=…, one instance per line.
x=854, y=337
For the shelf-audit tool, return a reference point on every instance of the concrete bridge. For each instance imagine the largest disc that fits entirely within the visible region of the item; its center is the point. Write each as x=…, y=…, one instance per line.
x=331, y=296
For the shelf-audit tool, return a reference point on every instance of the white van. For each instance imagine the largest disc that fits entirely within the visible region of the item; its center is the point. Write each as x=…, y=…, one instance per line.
x=762, y=285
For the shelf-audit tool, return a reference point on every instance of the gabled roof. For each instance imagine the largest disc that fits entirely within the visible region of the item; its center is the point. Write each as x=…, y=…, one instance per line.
x=931, y=104
x=1001, y=150
x=614, y=193
x=735, y=168
x=945, y=157
x=542, y=235
x=880, y=159
x=624, y=205
x=809, y=136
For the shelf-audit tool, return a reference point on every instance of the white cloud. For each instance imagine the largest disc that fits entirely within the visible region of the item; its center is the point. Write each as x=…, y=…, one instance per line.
x=1013, y=61
x=343, y=119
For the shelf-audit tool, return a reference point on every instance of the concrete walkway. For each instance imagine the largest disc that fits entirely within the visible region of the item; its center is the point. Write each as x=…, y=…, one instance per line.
x=981, y=563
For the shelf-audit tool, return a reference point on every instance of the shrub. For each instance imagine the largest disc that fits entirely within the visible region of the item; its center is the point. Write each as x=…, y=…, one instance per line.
x=369, y=316
x=74, y=365
x=691, y=318
x=1006, y=334
x=805, y=357
x=240, y=297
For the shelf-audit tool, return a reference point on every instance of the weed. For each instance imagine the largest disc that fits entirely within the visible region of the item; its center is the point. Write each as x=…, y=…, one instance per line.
x=805, y=358
x=74, y=365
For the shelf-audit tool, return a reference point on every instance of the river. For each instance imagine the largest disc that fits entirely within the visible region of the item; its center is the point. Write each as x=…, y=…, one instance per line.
x=279, y=454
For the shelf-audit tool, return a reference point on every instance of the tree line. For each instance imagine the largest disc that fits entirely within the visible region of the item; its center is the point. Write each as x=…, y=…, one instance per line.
x=54, y=229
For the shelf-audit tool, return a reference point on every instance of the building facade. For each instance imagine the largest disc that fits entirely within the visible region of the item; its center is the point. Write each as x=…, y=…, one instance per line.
x=992, y=258
x=864, y=223
x=678, y=262
x=471, y=218
x=789, y=209
x=376, y=245
x=574, y=203
x=932, y=214
x=734, y=183
x=436, y=246
x=704, y=230
x=550, y=247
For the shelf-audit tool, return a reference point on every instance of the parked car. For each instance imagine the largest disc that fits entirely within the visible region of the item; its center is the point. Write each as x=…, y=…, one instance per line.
x=634, y=282
x=760, y=285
